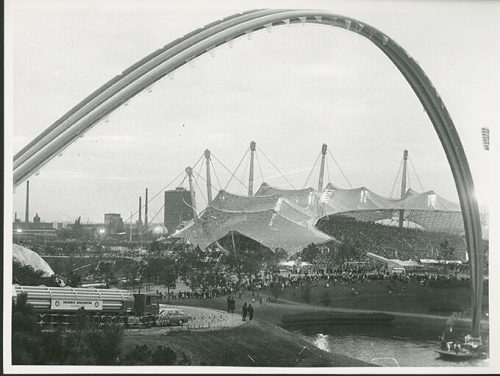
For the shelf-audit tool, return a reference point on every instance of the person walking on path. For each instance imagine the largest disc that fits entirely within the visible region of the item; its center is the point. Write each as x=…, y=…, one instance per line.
x=245, y=311
x=232, y=305
x=250, y=312
x=228, y=300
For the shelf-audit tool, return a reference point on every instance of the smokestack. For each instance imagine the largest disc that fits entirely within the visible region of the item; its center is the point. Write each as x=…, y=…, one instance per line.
x=140, y=210
x=146, y=209
x=27, y=213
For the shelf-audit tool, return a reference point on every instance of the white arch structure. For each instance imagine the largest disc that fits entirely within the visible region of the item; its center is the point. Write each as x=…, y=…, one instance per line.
x=153, y=67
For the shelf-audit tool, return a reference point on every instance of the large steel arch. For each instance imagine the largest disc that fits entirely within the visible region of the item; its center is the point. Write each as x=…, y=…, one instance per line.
x=155, y=66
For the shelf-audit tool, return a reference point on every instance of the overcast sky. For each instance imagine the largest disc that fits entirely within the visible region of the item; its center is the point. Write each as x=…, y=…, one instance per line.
x=290, y=90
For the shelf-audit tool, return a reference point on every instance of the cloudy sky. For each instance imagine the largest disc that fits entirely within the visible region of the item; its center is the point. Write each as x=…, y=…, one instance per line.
x=290, y=90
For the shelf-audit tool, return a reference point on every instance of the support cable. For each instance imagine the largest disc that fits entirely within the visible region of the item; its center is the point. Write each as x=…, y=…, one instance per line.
x=240, y=208
x=216, y=177
x=201, y=191
x=312, y=169
x=340, y=168
x=152, y=219
x=199, y=172
x=328, y=171
x=415, y=172
x=165, y=187
x=277, y=169
x=232, y=174
x=199, y=169
x=190, y=206
x=409, y=183
x=198, y=161
x=205, y=180
x=258, y=163
x=182, y=181
x=396, y=179
x=244, y=174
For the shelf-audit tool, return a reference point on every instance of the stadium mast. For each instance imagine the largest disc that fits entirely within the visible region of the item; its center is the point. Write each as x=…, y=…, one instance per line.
x=322, y=168
x=189, y=172
x=209, y=180
x=403, y=187
x=250, y=177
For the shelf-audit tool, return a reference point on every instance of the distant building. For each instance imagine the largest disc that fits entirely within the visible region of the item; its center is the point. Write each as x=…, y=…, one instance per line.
x=35, y=230
x=178, y=208
x=113, y=223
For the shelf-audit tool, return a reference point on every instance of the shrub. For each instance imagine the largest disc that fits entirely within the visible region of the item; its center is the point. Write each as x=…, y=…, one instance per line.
x=142, y=355
x=163, y=356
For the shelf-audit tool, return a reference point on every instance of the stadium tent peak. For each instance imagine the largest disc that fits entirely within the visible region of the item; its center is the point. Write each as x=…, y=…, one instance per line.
x=268, y=227
x=297, y=212
x=233, y=202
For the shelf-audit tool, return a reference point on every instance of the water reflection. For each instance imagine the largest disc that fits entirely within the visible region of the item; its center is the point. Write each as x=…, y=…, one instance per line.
x=321, y=342
x=386, y=352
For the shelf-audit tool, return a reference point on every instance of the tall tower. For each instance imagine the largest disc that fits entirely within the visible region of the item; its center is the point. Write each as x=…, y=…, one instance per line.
x=322, y=168
x=146, y=210
x=140, y=210
x=403, y=187
x=189, y=172
x=250, y=177
x=27, y=213
x=209, y=179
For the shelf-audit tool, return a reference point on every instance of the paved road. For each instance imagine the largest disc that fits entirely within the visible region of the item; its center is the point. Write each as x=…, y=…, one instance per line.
x=207, y=315
x=202, y=319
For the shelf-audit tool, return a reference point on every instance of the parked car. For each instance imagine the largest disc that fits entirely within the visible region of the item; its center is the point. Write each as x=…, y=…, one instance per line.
x=398, y=270
x=172, y=316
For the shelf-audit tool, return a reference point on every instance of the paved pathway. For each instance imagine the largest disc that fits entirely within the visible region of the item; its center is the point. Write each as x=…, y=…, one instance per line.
x=202, y=315
x=201, y=319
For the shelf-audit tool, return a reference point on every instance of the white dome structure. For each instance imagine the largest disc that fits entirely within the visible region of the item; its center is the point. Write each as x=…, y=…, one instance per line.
x=27, y=257
x=159, y=231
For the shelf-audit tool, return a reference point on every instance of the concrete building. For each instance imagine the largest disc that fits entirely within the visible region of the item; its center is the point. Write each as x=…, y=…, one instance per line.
x=33, y=230
x=178, y=208
x=113, y=223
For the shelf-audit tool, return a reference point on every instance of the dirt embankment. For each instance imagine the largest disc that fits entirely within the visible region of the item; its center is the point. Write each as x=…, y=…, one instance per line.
x=254, y=344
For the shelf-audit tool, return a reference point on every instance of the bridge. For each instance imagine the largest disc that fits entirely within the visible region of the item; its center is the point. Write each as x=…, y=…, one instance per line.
x=98, y=105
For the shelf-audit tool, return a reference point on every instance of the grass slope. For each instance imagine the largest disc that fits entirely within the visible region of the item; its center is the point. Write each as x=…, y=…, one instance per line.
x=256, y=344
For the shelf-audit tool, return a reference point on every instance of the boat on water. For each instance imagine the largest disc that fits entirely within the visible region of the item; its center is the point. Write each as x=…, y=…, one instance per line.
x=456, y=351
x=461, y=355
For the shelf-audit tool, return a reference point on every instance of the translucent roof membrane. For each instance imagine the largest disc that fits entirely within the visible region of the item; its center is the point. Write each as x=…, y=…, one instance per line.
x=279, y=218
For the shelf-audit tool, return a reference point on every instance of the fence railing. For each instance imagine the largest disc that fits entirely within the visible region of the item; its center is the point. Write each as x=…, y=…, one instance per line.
x=205, y=320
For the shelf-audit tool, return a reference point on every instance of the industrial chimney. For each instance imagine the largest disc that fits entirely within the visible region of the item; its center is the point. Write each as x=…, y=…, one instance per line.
x=146, y=210
x=27, y=213
x=140, y=210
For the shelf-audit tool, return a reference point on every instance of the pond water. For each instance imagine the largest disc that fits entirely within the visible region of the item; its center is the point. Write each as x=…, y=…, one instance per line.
x=383, y=351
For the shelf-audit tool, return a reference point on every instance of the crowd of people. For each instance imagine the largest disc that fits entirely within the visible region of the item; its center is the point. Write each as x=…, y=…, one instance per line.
x=391, y=241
